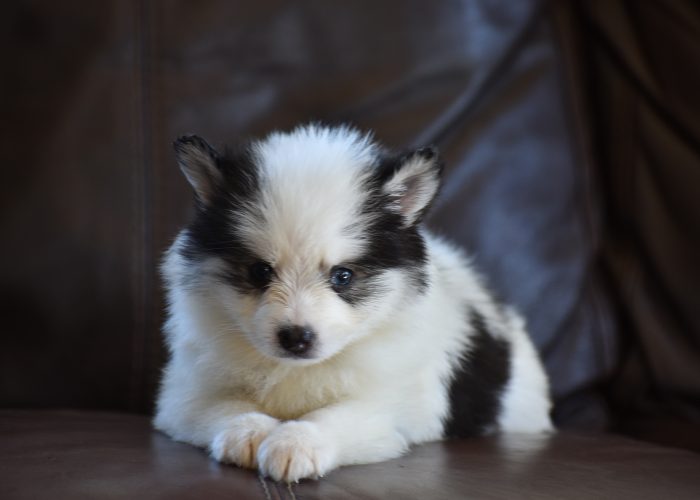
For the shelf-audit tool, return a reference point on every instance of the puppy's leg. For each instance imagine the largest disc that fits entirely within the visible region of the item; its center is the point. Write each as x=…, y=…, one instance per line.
x=231, y=430
x=345, y=433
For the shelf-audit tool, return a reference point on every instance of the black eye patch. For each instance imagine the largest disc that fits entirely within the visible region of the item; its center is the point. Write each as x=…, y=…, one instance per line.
x=355, y=283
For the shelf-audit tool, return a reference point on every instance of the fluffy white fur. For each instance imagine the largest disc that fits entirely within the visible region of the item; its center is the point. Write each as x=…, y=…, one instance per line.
x=379, y=380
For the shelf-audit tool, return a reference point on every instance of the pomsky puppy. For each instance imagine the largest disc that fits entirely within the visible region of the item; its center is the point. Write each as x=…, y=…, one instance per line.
x=313, y=322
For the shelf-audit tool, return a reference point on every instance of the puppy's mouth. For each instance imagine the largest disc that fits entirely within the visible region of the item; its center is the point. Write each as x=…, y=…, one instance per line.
x=306, y=358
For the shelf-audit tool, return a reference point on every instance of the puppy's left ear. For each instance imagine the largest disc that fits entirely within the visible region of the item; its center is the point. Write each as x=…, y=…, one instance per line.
x=413, y=183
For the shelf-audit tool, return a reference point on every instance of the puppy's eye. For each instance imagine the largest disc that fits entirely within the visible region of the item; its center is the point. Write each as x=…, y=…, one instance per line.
x=260, y=274
x=341, y=277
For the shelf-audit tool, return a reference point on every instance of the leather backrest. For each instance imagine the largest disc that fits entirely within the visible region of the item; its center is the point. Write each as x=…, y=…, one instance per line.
x=634, y=65
x=92, y=195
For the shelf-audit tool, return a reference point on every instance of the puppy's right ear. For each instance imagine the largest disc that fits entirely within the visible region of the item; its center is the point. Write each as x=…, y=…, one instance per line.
x=411, y=181
x=198, y=161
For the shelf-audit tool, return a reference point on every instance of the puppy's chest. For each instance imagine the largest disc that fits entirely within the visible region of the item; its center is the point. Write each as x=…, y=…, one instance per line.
x=289, y=394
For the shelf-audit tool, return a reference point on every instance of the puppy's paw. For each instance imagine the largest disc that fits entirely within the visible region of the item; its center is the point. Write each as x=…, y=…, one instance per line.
x=238, y=443
x=294, y=451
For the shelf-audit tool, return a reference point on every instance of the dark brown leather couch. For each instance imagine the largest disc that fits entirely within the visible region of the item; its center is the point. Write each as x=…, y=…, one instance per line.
x=571, y=130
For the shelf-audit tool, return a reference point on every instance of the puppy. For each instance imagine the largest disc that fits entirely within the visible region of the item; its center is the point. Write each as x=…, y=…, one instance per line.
x=313, y=322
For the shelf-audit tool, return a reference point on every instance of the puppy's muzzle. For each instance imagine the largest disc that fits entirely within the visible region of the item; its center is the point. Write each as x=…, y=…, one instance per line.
x=297, y=340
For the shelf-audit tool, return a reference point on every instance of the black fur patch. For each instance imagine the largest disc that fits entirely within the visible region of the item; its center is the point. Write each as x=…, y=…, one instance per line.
x=477, y=387
x=366, y=284
x=210, y=231
x=391, y=245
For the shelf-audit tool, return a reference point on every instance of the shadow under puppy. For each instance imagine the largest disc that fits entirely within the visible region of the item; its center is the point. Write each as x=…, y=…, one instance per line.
x=313, y=322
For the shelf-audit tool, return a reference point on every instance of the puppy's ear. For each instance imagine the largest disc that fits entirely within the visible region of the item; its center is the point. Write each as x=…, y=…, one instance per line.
x=412, y=182
x=198, y=161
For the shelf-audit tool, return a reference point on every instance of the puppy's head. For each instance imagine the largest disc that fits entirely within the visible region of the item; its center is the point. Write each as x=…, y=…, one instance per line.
x=307, y=240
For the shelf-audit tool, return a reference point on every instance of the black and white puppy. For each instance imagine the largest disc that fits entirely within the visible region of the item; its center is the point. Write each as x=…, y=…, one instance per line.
x=313, y=322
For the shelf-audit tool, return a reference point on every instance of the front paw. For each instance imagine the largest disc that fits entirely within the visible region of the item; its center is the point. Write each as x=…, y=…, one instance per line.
x=238, y=443
x=294, y=451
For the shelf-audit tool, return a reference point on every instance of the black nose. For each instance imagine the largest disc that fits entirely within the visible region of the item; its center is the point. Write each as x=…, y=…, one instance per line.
x=296, y=339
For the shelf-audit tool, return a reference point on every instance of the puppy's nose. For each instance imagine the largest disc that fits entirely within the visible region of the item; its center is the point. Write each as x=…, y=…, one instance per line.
x=297, y=340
